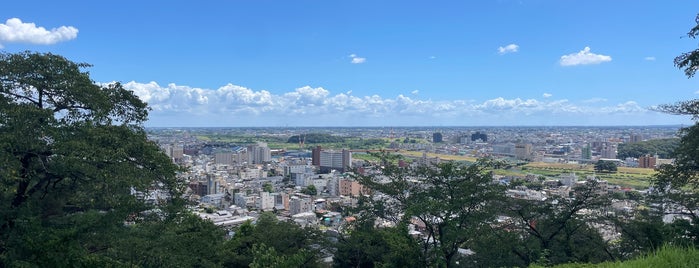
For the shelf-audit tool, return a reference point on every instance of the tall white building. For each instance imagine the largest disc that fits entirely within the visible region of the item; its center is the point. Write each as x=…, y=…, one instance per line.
x=223, y=158
x=174, y=151
x=609, y=151
x=259, y=153
x=338, y=160
x=265, y=201
x=302, y=179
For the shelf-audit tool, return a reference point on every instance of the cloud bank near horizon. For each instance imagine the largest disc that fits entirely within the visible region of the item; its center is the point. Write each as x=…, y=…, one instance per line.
x=316, y=106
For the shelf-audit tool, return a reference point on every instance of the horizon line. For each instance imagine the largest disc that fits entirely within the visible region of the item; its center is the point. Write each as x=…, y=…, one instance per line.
x=453, y=126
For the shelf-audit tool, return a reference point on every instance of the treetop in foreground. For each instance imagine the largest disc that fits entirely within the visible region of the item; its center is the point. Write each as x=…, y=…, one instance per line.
x=74, y=153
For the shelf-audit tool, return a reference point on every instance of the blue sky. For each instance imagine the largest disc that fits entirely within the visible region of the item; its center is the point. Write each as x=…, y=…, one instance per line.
x=375, y=63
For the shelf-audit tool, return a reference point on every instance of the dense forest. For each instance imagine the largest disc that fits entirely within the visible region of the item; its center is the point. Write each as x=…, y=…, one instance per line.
x=664, y=148
x=312, y=138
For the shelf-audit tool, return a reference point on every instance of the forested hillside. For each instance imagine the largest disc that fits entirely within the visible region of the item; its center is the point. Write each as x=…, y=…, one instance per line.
x=664, y=148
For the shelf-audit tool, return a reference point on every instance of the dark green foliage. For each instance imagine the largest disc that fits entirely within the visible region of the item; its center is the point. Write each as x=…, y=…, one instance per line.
x=646, y=232
x=264, y=256
x=272, y=241
x=557, y=231
x=310, y=190
x=268, y=187
x=690, y=60
x=685, y=169
x=664, y=148
x=186, y=241
x=373, y=142
x=368, y=246
x=496, y=248
x=315, y=138
x=454, y=202
x=677, y=186
x=605, y=166
x=71, y=153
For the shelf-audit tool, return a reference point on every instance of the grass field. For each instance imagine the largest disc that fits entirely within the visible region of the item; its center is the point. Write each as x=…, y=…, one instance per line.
x=441, y=156
x=637, y=178
x=667, y=257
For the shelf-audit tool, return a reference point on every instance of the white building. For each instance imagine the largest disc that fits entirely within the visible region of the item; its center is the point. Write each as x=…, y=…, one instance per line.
x=259, y=153
x=265, y=201
x=338, y=160
x=215, y=200
x=302, y=179
x=569, y=179
x=298, y=169
x=223, y=158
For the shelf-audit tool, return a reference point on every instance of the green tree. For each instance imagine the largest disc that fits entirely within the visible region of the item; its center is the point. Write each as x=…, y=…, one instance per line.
x=267, y=187
x=676, y=184
x=559, y=230
x=645, y=232
x=72, y=154
x=605, y=166
x=310, y=190
x=454, y=203
x=315, y=138
x=264, y=256
x=185, y=241
x=272, y=241
x=662, y=147
x=365, y=245
x=690, y=60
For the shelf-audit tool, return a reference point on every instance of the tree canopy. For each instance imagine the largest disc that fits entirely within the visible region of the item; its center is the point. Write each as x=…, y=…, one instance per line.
x=272, y=243
x=315, y=138
x=676, y=184
x=605, y=166
x=75, y=156
x=453, y=202
x=664, y=148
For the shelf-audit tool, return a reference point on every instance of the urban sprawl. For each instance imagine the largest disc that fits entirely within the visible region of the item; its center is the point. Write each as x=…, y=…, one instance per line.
x=234, y=174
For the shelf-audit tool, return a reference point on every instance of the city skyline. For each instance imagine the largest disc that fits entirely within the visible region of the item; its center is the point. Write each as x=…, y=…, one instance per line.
x=313, y=63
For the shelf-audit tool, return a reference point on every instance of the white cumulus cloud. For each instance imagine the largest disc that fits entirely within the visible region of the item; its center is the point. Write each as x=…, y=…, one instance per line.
x=584, y=57
x=16, y=31
x=356, y=59
x=629, y=107
x=649, y=58
x=307, y=105
x=511, y=48
x=547, y=95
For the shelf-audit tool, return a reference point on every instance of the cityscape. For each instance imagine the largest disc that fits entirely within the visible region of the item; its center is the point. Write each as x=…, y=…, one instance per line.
x=275, y=168
x=508, y=133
